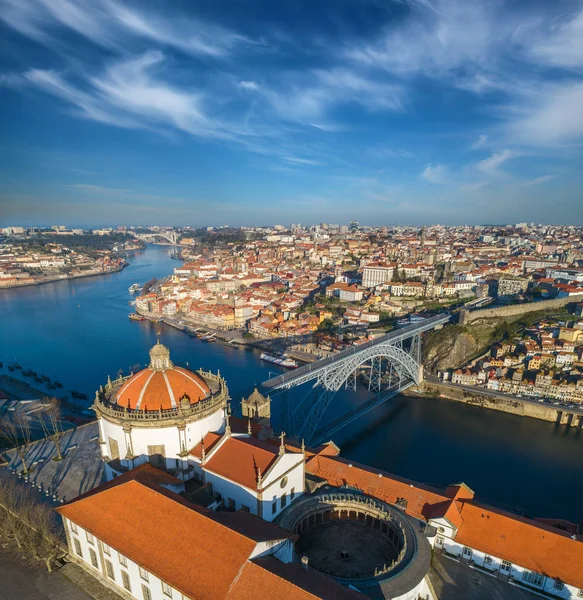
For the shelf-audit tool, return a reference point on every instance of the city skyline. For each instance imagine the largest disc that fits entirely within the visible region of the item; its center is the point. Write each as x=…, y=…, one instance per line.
x=405, y=112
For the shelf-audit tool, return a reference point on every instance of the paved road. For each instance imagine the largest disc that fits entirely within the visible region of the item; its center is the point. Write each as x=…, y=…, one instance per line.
x=22, y=581
x=454, y=581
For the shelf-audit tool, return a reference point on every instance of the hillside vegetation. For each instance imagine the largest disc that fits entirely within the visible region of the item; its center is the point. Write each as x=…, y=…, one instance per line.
x=455, y=345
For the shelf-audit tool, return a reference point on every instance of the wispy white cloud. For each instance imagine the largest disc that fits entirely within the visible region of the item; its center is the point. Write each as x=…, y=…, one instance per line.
x=561, y=41
x=539, y=180
x=131, y=93
x=480, y=142
x=491, y=164
x=248, y=85
x=437, y=174
x=114, y=24
x=301, y=161
x=550, y=118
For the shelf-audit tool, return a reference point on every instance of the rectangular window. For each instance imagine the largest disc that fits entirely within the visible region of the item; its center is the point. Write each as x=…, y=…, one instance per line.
x=77, y=546
x=73, y=527
x=230, y=504
x=244, y=508
x=144, y=574
x=487, y=560
x=126, y=581
x=89, y=537
x=106, y=549
x=533, y=578
x=558, y=585
x=283, y=500
x=506, y=566
x=467, y=552
x=122, y=560
x=274, y=506
x=166, y=590
x=146, y=593
x=580, y=594
x=438, y=541
x=292, y=493
x=93, y=558
x=109, y=570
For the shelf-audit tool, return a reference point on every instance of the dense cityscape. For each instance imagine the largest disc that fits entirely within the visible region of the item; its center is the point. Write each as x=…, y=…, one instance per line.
x=511, y=298
x=292, y=300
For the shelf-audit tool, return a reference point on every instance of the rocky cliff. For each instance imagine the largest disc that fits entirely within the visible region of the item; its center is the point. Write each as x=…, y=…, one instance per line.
x=450, y=348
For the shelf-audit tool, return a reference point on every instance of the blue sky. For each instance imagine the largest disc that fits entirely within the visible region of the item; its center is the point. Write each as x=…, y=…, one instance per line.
x=258, y=112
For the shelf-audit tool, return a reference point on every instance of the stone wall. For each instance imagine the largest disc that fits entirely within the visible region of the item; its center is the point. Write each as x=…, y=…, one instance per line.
x=516, y=309
x=516, y=406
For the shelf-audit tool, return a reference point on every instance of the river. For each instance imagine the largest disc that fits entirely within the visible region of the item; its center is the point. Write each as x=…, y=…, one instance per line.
x=78, y=333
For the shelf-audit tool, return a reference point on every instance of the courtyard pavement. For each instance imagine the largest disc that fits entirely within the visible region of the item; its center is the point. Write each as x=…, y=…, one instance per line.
x=452, y=580
x=59, y=481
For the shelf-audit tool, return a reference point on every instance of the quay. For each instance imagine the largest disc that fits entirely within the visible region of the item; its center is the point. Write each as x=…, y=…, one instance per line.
x=232, y=338
x=525, y=407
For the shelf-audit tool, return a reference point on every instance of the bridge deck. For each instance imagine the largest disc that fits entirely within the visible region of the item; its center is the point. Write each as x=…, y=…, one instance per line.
x=288, y=379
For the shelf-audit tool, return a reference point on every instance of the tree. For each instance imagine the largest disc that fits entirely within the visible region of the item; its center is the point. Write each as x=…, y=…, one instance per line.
x=50, y=420
x=17, y=432
x=32, y=526
x=326, y=325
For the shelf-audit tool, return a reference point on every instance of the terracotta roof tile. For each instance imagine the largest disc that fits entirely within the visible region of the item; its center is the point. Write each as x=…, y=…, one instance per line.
x=267, y=578
x=420, y=499
x=153, y=390
x=184, y=545
x=240, y=459
x=523, y=542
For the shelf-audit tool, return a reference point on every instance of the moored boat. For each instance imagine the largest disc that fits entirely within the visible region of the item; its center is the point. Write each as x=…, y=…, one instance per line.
x=78, y=395
x=282, y=361
x=136, y=317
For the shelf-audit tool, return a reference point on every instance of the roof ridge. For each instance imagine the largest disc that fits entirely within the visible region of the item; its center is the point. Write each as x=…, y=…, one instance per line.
x=279, y=576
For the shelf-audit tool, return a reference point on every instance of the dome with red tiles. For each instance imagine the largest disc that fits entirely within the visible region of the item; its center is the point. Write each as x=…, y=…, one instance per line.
x=162, y=385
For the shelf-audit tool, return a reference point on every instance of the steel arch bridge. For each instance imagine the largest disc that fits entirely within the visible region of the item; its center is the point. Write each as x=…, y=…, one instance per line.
x=394, y=358
x=169, y=235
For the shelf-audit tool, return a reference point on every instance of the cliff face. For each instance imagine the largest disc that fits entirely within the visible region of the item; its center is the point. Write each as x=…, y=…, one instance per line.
x=449, y=348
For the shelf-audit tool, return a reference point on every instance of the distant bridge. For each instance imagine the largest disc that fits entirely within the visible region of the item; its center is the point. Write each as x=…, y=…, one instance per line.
x=168, y=235
x=393, y=361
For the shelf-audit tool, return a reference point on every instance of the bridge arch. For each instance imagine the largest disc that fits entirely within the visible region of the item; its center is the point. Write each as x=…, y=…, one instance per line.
x=334, y=379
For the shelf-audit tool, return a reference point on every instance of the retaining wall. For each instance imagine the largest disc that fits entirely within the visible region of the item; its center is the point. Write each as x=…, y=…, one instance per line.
x=516, y=406
x=516, y=309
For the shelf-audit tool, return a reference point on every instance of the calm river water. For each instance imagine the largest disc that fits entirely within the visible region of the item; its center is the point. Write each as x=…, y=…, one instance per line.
x=78, y=332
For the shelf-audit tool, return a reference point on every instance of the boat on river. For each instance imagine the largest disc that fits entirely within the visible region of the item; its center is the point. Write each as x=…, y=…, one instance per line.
x=78, y=395
x=210, y=337
x=136, y=317
x=135, y=287
x=282, y=361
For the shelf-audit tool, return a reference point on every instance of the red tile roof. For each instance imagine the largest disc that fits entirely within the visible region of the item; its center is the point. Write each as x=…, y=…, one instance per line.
x=241, y=459
x=523, y=542
x=196, y=551
x=153, y=390
x=389, y=488
x=269, y=578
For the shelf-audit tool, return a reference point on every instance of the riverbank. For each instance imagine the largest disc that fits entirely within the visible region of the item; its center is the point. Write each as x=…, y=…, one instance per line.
x=234, y=338
x=67, y=277
x=484, y=398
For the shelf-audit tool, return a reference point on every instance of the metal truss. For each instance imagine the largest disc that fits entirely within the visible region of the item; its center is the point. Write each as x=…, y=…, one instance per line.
x=392, y=366
x=311, y=408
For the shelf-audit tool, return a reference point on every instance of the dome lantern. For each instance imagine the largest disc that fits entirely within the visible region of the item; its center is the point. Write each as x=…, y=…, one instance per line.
x=160, y=357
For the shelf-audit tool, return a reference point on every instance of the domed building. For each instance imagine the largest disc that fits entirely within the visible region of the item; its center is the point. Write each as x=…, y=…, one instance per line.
x=158, y=414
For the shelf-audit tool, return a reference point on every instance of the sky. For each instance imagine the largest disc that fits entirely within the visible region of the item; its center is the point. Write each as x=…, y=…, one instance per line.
x=257, y=112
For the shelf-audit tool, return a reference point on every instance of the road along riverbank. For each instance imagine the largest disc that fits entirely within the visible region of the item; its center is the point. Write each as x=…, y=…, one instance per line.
x=484, y=398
